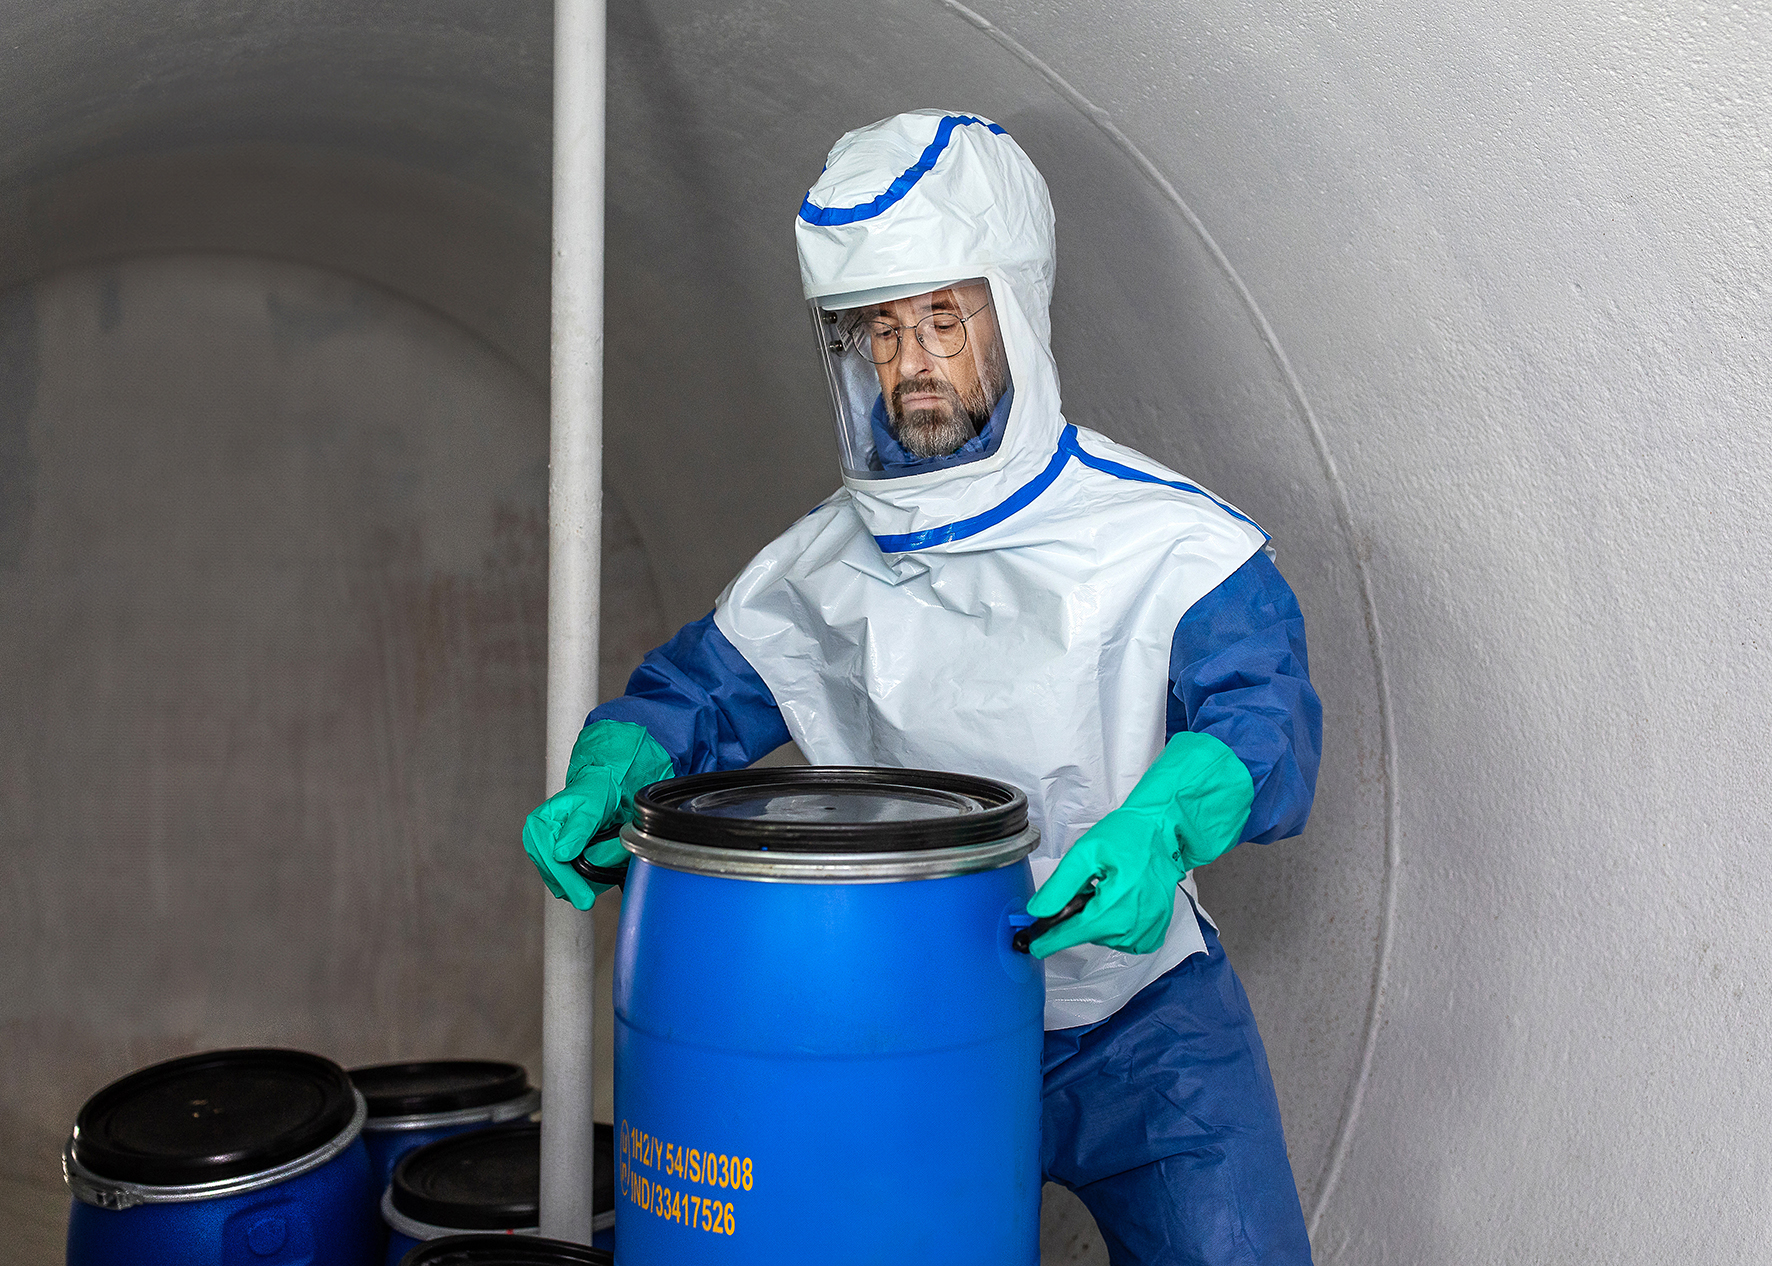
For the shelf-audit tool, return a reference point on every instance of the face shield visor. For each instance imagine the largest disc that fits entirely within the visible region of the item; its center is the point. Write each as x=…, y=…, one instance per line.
x=918, y=382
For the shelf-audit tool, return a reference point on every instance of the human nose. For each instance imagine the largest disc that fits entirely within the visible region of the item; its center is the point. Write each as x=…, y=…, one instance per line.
x=913, y=357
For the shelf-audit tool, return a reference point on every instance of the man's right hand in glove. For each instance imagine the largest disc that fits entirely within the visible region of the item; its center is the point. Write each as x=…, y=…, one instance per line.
x=610, y=762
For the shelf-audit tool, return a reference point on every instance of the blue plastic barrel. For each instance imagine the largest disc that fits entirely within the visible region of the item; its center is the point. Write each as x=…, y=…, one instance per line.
x=826, y=1048
x=411, y=1104
x=484, y=1181
x=222, y=1159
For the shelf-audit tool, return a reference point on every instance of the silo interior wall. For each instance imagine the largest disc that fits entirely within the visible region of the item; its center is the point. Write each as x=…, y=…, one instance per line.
x=1465, y=307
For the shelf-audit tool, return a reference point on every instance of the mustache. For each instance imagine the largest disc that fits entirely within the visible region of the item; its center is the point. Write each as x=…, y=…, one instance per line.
x=928, y=384
x=932, y=430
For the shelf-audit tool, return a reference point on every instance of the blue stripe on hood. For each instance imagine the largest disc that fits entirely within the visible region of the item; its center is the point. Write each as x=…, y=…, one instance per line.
x=830, y=217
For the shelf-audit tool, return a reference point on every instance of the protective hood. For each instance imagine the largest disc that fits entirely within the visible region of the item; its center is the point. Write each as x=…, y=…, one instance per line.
x=917, y=201
x=1012, y=615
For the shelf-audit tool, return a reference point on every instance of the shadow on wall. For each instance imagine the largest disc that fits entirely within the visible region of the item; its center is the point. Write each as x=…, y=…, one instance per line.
x=1158, y=349
x=272, y=601
x=1162, y=347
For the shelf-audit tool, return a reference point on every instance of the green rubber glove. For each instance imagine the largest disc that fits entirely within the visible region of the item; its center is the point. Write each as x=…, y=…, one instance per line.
x=610, y=762
x=1189, y=808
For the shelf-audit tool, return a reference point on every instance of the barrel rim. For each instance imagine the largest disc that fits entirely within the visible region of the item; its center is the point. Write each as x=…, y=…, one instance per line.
x=458, y=1250
x=116, y=1156
x=1003, y=812
x=432, y=1233
x=528, y=1104
x=114, y=1193
x=413, y=1229
x=829, y=868
x=422, y=1206
x=500, y=1082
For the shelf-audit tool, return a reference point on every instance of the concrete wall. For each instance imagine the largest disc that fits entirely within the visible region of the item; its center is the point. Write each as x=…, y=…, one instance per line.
x=1466, y=307
x=275, y=594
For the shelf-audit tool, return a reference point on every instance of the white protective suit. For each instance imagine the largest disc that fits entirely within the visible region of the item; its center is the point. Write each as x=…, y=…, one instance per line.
x=1011, y=617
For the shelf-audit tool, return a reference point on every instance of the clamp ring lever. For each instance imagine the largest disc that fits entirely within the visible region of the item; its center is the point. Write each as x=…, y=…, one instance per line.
x=1039, y=927
x=616, y=875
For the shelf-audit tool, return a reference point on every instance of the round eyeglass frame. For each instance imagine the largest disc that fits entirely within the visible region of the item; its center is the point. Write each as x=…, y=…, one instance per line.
x=860, y=334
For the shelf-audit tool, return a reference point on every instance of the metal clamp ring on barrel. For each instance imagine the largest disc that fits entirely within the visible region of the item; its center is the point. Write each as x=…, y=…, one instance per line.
x=829, y=868
x=109, y=1193
x=413, y=1229
x=491, y=1114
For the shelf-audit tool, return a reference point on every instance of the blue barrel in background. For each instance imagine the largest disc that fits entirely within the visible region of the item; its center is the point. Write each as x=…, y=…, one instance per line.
x=826, y=1048
x=412, y=1104
x=221, y=1159
x=486, y=1180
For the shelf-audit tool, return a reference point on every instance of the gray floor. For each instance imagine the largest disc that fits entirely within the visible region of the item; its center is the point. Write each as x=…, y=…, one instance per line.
x=1067, y=1233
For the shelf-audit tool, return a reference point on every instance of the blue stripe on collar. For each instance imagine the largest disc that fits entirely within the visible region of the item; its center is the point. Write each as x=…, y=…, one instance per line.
x=1138, y=476
x=963, y=528
x=1068, y=447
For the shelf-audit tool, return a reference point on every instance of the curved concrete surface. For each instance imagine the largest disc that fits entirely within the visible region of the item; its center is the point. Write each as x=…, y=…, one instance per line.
x=275, y=660
x=1466, y=308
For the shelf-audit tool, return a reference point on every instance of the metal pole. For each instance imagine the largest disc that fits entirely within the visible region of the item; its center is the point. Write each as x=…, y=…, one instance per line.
x=575, y=548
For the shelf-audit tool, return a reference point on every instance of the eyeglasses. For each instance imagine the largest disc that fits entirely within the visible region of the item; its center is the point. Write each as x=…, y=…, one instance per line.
x=940, y=334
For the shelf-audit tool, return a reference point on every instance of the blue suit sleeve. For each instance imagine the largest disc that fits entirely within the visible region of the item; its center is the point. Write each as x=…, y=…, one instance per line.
x=1239, y=671
x=702, y=701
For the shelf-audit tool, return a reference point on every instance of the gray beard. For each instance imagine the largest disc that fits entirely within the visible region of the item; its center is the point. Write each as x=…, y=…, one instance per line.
x=938, y=432
x=935, y=433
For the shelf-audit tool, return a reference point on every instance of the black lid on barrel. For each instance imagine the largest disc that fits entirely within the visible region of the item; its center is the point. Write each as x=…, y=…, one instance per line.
x=438, y=1085
x=221, y=1114
x=504, y=1250
x=832, y=809
x=488, y=1180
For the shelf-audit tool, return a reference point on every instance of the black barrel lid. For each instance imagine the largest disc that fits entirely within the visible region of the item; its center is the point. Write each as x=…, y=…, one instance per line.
x=208, y=1117
x=438, y=1085
x=504, y=1250
x=488, y=1180
x=832, y=809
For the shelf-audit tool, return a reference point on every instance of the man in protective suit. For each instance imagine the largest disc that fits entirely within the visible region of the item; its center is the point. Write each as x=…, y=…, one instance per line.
x=995, y=591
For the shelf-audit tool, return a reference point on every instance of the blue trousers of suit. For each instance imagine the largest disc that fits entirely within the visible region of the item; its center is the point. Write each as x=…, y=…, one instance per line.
x=1162, y=1118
